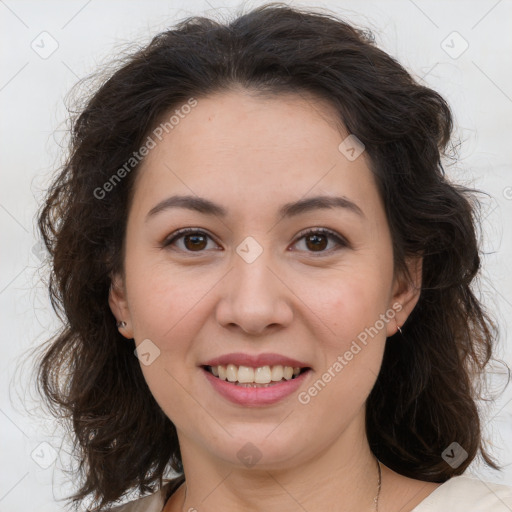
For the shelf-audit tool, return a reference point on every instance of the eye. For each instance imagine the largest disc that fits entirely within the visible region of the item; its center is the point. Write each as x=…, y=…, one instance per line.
x=194, y=240
x=316, y=240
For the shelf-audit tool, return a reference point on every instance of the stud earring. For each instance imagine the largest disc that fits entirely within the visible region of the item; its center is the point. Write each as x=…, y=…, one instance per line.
x=121, y=324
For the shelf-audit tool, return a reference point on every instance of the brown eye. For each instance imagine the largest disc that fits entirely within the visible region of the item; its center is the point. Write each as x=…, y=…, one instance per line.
x=193, y=240
x=317, y=240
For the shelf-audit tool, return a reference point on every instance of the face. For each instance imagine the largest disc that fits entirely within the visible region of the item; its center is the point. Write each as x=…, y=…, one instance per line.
x=255, y=279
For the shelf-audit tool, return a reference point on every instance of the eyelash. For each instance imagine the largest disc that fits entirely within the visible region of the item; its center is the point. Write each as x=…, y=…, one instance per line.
x=342, y=243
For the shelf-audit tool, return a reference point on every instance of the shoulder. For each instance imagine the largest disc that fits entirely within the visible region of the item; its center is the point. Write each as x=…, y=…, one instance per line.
x=467, y=494
x=152, y=503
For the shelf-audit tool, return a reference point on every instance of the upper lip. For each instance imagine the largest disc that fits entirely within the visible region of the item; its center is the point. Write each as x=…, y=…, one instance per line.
x=255, y=361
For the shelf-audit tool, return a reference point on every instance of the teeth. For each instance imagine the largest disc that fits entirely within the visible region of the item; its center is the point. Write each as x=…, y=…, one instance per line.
x=262, y=375
x=277, y=372
x=231, y=373
x=245, y=374
x=248, y=375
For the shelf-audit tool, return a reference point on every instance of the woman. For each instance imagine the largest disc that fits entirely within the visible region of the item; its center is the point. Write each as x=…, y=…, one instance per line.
x=266, y=279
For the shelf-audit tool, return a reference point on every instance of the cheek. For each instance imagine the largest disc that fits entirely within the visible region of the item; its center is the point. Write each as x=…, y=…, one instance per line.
x=352, y=356
x=162, y=298
x=171, y=319
x=352, y=302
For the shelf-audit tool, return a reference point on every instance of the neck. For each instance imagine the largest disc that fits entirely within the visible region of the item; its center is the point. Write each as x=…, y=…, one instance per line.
x=300, y=484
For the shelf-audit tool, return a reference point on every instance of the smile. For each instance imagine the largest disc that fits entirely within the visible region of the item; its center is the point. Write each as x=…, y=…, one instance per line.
x=240, y=387
x=254, y=377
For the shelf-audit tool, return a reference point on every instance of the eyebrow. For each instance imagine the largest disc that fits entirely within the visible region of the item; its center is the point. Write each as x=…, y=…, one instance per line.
x=207, y=207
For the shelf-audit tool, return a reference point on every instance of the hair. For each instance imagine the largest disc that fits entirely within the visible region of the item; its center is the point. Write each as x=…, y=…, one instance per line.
x=425, y=396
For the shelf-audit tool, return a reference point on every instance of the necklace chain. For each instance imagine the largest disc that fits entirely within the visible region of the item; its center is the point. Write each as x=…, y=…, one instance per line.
x=375, y=500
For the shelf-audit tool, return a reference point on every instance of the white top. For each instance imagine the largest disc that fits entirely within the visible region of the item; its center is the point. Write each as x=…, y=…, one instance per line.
x=467, y=494
x=458, y=494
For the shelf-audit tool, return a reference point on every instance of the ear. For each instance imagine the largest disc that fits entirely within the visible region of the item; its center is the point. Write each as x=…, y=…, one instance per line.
x=119, y=305
x=406, y=293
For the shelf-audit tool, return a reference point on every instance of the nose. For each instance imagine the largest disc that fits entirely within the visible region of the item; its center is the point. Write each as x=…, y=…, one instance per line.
x=255, y=297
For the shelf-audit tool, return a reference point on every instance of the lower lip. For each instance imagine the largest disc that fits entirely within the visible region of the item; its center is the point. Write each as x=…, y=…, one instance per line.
x=254, y=397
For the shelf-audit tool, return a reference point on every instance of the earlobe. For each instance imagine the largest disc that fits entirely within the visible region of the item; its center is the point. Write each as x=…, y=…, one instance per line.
x=119, y=306
x=406, y=292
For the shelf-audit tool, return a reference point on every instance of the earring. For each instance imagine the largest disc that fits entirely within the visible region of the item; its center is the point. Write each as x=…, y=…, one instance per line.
x=399, y=329
x=121, y=324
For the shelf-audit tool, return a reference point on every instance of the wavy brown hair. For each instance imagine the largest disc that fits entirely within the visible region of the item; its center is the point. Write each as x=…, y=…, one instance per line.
x=426, y=394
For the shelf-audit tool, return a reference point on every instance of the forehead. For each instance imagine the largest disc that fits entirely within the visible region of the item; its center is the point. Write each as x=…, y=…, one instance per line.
x=231, y=124
x=254, y=148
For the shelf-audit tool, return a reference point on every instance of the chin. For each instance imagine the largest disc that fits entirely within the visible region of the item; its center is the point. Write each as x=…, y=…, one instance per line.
x=260, y=449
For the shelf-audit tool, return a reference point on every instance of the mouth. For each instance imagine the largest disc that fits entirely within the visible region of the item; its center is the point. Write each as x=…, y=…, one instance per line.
x=255, y=377
x=254, y=380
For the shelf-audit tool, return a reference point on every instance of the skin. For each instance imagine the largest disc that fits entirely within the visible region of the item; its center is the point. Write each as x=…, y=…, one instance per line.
x=251, y=155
